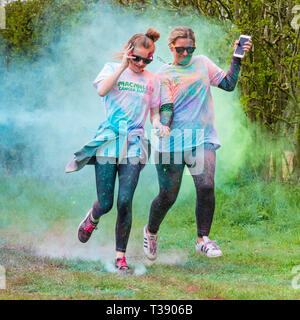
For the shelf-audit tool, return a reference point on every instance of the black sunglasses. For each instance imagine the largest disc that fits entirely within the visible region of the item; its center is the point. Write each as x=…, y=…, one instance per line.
x=138, y=58
x=182, y=49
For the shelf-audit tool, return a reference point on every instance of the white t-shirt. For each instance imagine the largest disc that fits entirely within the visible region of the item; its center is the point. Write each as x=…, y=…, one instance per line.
x=188, y=87
x=128, y=102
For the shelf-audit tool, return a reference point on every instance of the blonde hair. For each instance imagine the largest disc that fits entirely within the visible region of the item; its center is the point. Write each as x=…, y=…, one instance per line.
x=181, y=32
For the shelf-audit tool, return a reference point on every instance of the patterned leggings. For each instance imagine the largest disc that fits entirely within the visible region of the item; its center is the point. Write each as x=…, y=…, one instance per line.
x=170, y=177
x=105, y=181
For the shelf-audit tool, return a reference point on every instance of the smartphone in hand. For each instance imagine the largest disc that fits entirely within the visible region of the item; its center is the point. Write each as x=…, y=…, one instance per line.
x=239, y=52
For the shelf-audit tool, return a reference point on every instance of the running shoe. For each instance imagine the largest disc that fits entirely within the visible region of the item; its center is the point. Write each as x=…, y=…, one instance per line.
x=150, y=245
x=86, y=228
x=208, y=248
x=121, y=264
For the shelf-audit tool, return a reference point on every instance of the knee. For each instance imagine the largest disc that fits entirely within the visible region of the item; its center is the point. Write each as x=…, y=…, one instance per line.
x=103, y=207
x=124, y=203
x=206, y=188
x=167, y=198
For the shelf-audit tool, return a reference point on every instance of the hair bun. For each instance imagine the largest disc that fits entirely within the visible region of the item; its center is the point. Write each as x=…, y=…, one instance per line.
x=152, y=34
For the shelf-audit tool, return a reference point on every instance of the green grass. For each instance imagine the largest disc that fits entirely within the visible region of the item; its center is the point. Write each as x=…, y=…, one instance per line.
x=256, y=225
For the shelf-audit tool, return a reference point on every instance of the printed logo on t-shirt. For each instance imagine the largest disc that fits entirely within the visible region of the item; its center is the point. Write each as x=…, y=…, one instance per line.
x=131, y=86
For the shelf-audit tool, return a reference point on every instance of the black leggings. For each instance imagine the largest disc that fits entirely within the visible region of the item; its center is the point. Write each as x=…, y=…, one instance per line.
x=170, y=177
x=105, y=181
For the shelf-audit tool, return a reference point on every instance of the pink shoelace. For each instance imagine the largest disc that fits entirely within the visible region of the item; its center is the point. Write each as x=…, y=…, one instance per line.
x=122, y=264
x=89, y=228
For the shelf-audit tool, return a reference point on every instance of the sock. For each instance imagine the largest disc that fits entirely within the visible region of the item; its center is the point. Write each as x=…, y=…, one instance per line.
x=93, y=221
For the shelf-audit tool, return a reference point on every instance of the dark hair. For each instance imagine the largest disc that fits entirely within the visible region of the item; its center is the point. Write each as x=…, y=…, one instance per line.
x=141, y=39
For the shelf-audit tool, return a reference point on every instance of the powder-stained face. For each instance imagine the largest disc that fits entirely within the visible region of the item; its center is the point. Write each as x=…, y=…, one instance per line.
x=185, y=57
x=139, y=66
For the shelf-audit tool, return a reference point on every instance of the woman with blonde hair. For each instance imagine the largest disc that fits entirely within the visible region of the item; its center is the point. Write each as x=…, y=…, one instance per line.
x=187, y=108
x=128, y=92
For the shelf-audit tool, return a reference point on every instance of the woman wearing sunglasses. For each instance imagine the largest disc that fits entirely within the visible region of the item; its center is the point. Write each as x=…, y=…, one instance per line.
x=127, y=92
x=187, y=108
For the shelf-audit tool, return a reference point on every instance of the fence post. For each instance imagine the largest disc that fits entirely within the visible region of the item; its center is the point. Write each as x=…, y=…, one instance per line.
x=2, y=16
x=2, y=278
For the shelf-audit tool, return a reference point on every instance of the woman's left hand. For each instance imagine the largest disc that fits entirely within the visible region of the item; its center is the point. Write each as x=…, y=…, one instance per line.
x=246, y=47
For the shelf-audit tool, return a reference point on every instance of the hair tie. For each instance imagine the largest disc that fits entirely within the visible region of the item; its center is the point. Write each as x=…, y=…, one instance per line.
x=149, y=36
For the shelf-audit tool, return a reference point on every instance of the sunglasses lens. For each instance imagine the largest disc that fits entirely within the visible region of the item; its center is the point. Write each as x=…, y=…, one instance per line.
x=179, y=49
x=136, y=58
x=190, y=50
x=182, y=49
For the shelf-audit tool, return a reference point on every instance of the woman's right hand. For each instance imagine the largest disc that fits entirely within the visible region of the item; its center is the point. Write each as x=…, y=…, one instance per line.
x=164, y=131
x=126, y=57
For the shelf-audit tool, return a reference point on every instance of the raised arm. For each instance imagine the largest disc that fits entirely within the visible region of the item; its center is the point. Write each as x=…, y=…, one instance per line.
x=105, y=85
x=229, y=82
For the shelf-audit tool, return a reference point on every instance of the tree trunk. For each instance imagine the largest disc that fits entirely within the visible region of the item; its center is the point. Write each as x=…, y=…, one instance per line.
x=296, y=162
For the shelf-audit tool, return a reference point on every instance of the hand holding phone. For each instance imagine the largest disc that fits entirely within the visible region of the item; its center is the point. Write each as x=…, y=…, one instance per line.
x=239, y=51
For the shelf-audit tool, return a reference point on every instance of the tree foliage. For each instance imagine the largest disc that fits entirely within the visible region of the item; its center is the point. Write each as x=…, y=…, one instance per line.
x=270, y=74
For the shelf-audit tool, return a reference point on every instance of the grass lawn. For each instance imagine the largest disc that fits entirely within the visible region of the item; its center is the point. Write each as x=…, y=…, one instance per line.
x=256, y=225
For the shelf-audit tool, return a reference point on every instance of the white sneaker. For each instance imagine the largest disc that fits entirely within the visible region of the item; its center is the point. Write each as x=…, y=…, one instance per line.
x=208, y=248
x=150, y=245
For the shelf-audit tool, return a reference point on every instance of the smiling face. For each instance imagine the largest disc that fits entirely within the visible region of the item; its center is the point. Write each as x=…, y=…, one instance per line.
x=139, y=66
x=185, y=57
